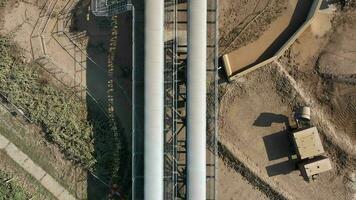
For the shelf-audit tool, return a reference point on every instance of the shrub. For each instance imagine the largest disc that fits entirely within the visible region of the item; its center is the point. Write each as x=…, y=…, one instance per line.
x=59, y=113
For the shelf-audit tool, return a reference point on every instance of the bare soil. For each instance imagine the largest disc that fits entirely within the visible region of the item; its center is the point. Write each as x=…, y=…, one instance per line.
x=254, y=128
x=249, y=54
x=79, y=61
x=240, y=189
x=27, y=22
x=324, y=66
x=241, y=21
x=254, y=113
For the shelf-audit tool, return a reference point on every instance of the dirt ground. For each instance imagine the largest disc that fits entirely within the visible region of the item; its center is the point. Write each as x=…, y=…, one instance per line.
x=318, y=71
x=254, y=110
x=253, y=127
x=325, y=66
x=32, y=25
x=73, y=46
x=72, y=49
x=241, y=21
x=240, y=187
x=273, y=38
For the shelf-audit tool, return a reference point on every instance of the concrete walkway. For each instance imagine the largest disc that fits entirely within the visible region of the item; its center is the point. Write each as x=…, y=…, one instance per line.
x=32, y=168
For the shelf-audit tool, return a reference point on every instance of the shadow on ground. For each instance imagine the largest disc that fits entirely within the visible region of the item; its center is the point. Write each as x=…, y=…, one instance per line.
x=278, y=145
x=298, y=18
x=112, y=150
x=266, y=119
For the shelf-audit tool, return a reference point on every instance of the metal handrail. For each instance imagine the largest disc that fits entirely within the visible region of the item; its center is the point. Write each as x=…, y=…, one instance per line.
x=102, y=8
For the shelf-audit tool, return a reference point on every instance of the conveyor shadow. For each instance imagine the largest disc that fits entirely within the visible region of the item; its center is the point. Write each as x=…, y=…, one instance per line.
x=112, y=170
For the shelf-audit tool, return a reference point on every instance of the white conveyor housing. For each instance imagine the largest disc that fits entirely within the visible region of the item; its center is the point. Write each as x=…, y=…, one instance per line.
x=153, y=108
x=196, y=100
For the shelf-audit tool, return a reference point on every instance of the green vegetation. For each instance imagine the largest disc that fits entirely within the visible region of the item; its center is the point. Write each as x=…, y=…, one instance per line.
x=3, y=3
x=81, y=130
x=15, y=174
x=83, y=133
x=10, y=190
x=30, y=140
x=58, y=112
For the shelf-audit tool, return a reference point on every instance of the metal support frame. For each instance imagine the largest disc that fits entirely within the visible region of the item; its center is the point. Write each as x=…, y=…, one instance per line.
x=170, y=109
x=107, y=8
x=175, y=102
x=212, y=98
x=175, y=97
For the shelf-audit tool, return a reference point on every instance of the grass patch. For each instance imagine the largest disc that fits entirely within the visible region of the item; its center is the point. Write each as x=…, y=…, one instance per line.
x=3, y=3
x=29, y=140
x=21, y=180
x=9, y=189
x=80, y=130
x=62, y=117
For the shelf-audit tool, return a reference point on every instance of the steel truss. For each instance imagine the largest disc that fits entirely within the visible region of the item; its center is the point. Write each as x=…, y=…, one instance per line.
x=175, y=50
x=175, y=100
x=107, y=8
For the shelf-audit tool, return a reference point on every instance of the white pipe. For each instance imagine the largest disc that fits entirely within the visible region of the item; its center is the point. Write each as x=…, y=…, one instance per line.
x=154, y=85
x=196, y=100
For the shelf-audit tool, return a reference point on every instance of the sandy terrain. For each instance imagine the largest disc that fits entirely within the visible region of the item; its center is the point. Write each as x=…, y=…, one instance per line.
x=240, y=189
x=77, y=55
x=329, y=62
x=256, y=133
x=321, y=24
x=255, y=109
x=339, y=56
x=249, y=54
x=32, y=24
x=241, y=22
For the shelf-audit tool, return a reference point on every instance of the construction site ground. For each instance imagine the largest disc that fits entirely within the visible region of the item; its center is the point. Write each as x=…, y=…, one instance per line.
x=76, y=54
x=290, y=16
x=241, y=22
x=232, y=185
x=317, y=71
x=74, y=48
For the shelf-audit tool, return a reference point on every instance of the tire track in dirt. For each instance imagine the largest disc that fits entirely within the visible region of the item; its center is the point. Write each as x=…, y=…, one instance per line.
x=342, y=149
x=255, y=180
x=350, y=110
